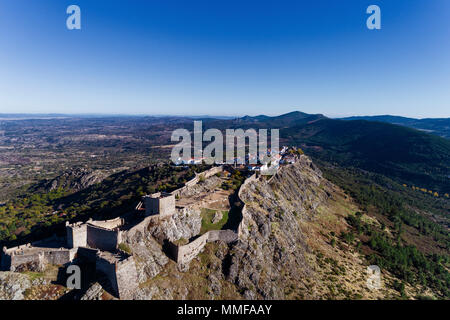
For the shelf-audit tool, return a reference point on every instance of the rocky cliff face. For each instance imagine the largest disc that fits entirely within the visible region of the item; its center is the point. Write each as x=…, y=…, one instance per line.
x=285, y=249
x=273, y=249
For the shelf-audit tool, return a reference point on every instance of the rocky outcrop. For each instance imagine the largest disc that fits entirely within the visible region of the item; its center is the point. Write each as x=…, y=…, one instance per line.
x=186, y=223
x=275, y=254
x=149, y=256
x=271, y=251
x=201, y=187
x=75, y=180
x=217, y=217
x=93, y=293
x=13, y=285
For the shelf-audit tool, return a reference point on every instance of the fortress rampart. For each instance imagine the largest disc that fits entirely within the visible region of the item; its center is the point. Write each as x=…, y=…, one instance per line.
x=88, y=254
x=14, y=258
x=126, y=277
x=227, y=236
x=189, y=251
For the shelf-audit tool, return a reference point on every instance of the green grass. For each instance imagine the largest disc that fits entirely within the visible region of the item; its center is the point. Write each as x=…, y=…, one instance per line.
x=207, y=216
x=34, y=275
x=181, y=242
x=124, y=247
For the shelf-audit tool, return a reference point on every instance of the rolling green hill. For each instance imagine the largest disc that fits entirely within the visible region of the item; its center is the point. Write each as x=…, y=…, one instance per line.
x=437, y=126
x=406, y=154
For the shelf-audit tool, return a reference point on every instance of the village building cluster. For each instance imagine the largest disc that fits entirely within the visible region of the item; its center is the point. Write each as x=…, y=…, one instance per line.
x=252, y=162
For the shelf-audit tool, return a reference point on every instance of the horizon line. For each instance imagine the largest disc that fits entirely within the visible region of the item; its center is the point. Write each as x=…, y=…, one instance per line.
x=156, y=115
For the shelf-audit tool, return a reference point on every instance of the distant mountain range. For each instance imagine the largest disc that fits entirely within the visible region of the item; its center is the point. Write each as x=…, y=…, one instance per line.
x=262, y=121
x=438, y=126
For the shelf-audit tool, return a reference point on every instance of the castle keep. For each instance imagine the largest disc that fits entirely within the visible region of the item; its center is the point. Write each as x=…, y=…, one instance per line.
x=96, y=241
x=104, y=235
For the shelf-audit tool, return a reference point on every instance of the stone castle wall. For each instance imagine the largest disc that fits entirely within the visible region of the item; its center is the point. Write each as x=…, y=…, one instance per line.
x=22, y=259
x=151, y=205
x=140, y=227
x=222, y=235
x=189, y=251
x=103, y=235
x=191, y=182
x=102, y=238
x=18, y=249
x=88, y=254
x=184, y=254
x=15, y=257
x=126, y=277
x=59, y=257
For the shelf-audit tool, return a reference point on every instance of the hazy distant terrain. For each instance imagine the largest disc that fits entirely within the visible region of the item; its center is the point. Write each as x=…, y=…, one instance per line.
x=438, y=126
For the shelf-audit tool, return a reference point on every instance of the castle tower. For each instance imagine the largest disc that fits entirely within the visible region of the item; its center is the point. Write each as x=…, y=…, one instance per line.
x=160, y=203
x=76, y=235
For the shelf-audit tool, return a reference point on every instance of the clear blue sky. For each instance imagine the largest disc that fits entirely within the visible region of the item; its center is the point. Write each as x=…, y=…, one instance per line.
x=230, y=57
